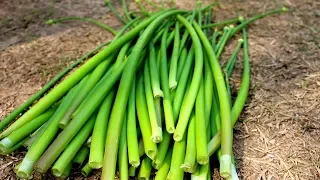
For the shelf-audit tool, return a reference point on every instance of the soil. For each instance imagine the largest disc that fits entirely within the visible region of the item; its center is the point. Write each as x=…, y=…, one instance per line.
x=277, y=136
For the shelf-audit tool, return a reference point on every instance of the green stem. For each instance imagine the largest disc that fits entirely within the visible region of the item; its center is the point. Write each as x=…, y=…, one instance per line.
x=245, y=23
x=86, y=170
x=164, y=80
x=191, y=150
x=219, y=24
x=123, y=155
x=162, y=150
x=99, y=132
x=187, y=106
x=145, y=169
x=222, y=42
x=174, y=59
x=132, y=171
x=75, y=91
x=125, y=10
x=99, y=24
x=154, y=72
x=82, y=155
x=178, y=154
x=182, y=62
x=155, y=127
x=115, y=12
x=70, y=152
x=132, y=136
x=144, y=122
x=231, y=63
x=181, y=88
x=141, y=7
x=163, y=171
x=201, y=136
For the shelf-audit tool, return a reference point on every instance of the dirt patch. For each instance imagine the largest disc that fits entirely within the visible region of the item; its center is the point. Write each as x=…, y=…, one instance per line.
x=278, y=134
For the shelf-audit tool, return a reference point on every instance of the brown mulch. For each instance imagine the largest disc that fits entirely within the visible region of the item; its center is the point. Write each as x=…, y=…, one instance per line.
x=277, y=136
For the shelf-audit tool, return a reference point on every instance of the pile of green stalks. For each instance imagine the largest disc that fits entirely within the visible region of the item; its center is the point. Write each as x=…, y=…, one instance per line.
x=155, y=102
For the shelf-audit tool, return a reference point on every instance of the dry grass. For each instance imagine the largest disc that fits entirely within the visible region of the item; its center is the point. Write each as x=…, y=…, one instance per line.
x=278, y=134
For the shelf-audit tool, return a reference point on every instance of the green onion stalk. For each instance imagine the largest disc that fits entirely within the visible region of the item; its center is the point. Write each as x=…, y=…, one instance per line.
x=99, y=24
x=99, y=132
x=187, y=107
x=167, y=104
x=145, y=169
x=132, y=137
x=123, y=155
x=81, y=155
x=144, y=122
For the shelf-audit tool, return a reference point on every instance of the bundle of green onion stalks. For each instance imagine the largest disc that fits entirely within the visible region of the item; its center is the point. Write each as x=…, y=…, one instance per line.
x=155, y=102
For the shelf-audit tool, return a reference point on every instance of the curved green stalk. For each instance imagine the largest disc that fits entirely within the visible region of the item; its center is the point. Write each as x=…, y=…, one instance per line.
x=201, y=129
x=81, y=155
x=99, y=132
x=99, y=24
x=141, y=6
x=181, y=88
x=145, y=169
x=123, y=155
x=155, y=127
x=174, y=59
x=71, y=150
x=223, y=41
x=62, y=88
x=191, y=151
x=125, y=10
x=181, y=62
x=243, y=24
x=227, y=136
x=154, y=72
x=163, y=171
x=132, y=136
x=214, y=38
x=187, y=106
x=167, y=104
x=115, y=12
x=47, y=87
x=231, y=63
x=219, y=24
x=144, y=122
x=208, y=89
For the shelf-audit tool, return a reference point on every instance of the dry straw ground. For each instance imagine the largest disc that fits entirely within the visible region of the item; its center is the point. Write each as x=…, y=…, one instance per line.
x=278, y=134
